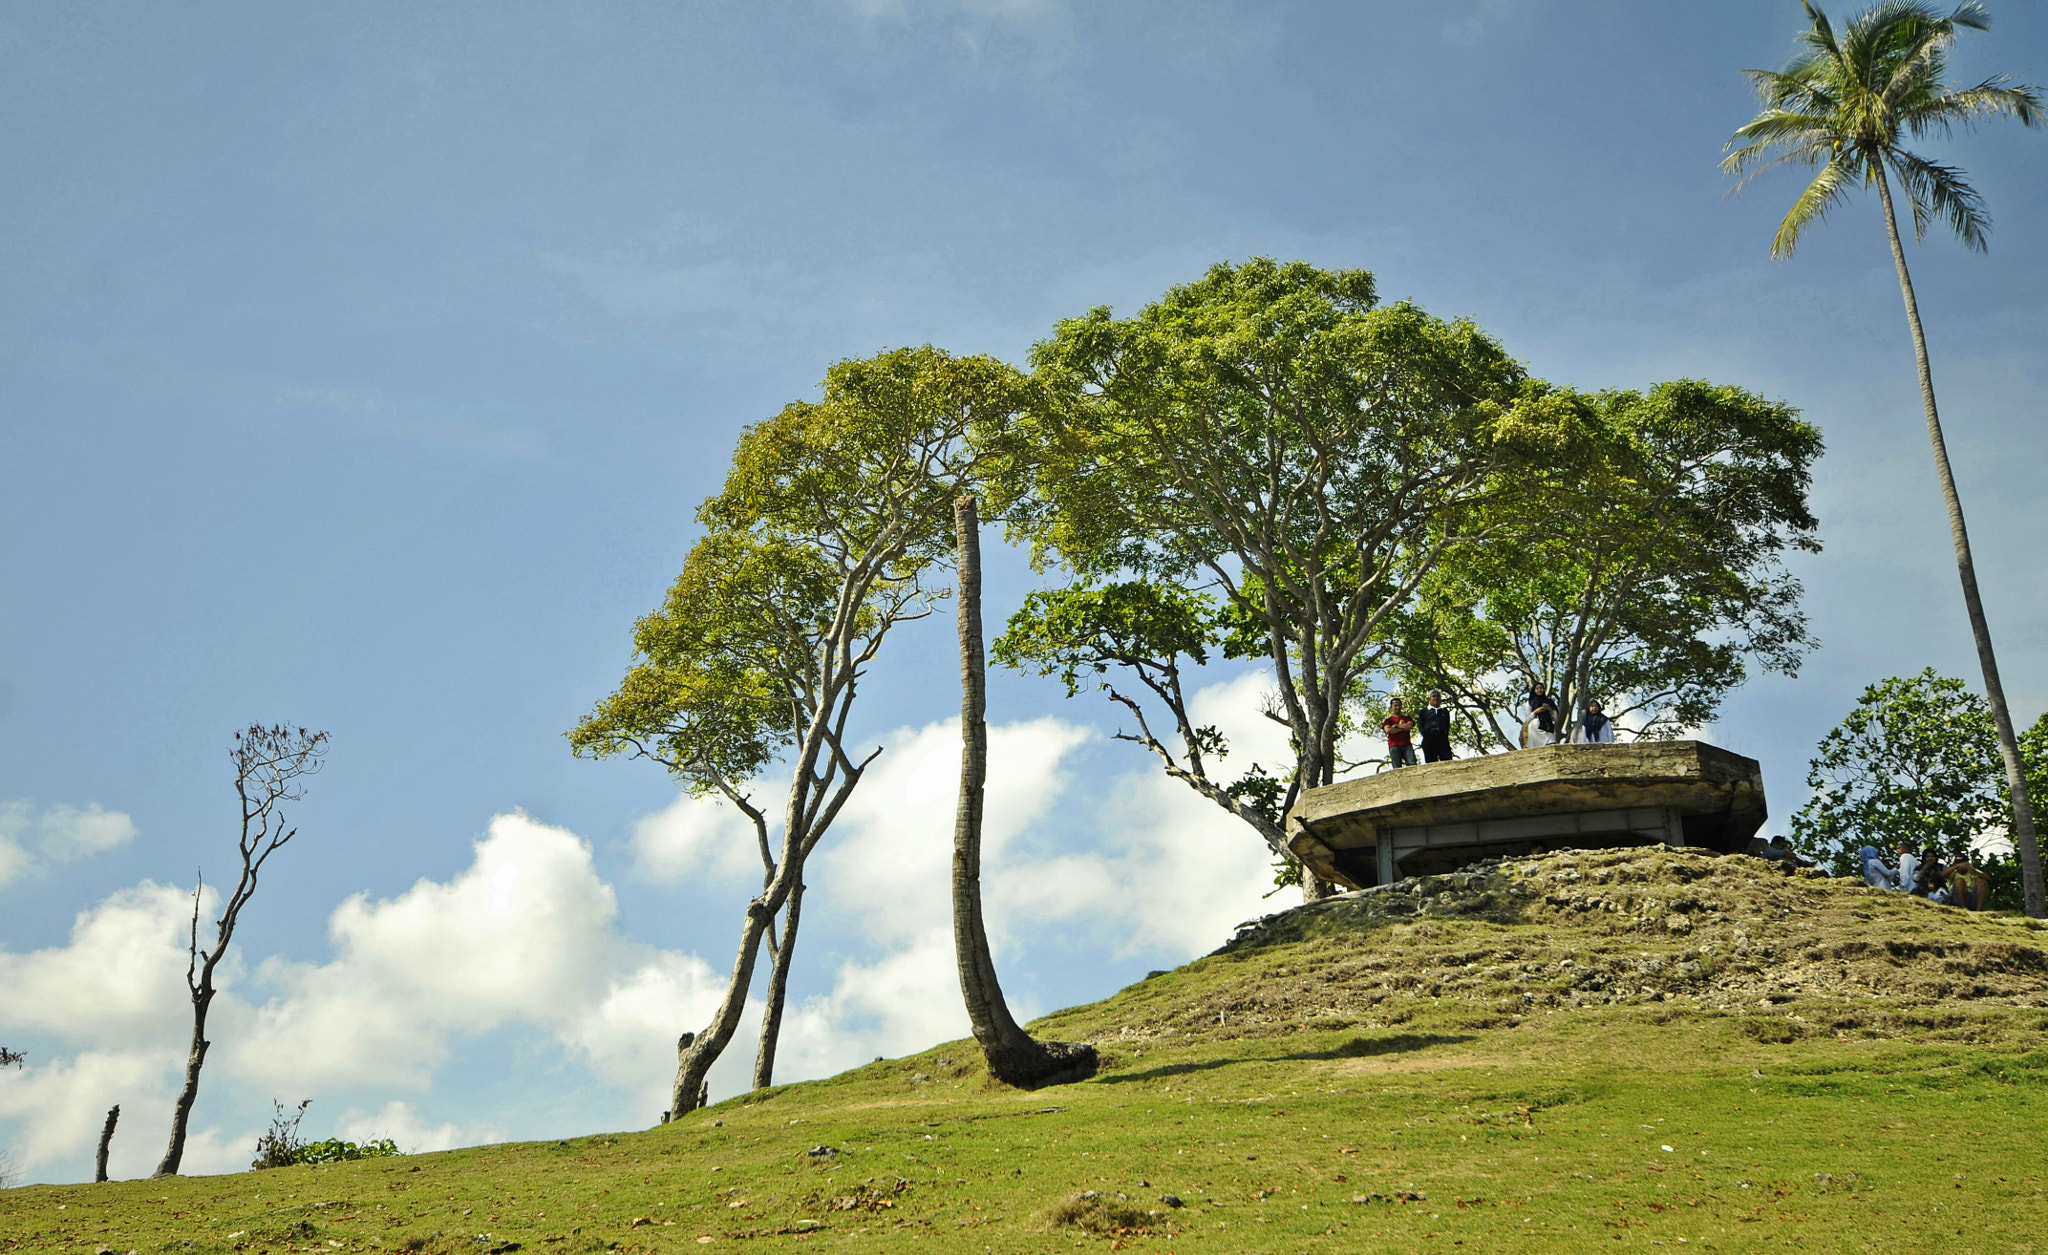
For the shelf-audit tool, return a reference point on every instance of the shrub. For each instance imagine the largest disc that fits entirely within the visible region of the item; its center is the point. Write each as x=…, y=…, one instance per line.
x=282, y=1147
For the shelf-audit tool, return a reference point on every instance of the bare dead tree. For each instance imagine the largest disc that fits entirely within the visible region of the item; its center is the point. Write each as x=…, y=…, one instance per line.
x=99, y=1170
x=270, y=765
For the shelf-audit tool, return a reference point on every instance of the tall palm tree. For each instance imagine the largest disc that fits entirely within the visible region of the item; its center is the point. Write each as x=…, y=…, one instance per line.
x=1848, y=105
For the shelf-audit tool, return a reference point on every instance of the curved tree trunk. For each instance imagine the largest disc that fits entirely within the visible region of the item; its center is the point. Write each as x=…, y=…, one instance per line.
x=99, y=1167
x=778, y=991
x=700, y=1053
x=1014, y=1056
x=2023, y=837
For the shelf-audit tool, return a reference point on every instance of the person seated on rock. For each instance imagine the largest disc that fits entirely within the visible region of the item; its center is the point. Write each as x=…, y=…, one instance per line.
x=1929, y=879
x=1875, y=873
x=1970, y=887
x=1786, y=852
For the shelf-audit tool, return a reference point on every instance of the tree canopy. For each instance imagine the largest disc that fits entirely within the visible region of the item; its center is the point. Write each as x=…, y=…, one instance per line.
x=1269, y=435
x=1915, y=761
x=1646, y=573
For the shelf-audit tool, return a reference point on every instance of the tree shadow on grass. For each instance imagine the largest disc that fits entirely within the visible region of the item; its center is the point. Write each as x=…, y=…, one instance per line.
x=1356, y=1048
x=1372, y=1047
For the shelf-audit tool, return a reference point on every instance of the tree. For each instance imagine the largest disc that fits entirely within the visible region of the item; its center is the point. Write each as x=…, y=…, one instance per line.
x=271, y=766
x=1271, y=436
x=1915, y=761
x=1014, y=1056
x=1648, y=577
x=1848, y=105
x=817, y=546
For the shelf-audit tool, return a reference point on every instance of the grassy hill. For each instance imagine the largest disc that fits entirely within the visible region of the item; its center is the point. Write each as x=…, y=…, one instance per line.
x=1558, y=1054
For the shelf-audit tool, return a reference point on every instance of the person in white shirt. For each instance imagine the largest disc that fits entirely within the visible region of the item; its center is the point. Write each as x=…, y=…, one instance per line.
x=1909, y=866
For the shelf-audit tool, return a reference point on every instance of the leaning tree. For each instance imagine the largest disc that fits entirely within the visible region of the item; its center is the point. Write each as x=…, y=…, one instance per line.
x=831, y=519
x=271, y=765
x=1848, y=104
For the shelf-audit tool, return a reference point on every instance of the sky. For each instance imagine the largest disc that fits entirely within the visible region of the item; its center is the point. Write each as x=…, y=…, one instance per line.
x=361, y=368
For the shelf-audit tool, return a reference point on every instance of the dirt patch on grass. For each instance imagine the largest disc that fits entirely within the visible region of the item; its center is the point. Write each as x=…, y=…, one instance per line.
x=1105, y=1215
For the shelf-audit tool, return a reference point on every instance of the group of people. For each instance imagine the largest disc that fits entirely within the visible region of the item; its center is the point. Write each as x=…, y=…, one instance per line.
x=1927, y=874
x=1433, y=725
x=1592, y=727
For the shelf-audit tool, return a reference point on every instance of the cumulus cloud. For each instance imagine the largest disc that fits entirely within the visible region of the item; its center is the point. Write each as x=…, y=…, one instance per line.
x=1161, y=871
x=527, y=938
x=526, y=933
x=119, y=981
x=414, y=1135
x=32, y=840
x=698, y=837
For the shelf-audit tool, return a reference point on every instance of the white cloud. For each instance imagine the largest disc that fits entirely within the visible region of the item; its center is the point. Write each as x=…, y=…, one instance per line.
x=30, y=841
x=414, y=1135
x=1167, y=873
x=891, y=859
x=119, y=982
x=526, y=934
x=698, y=837
x=1236, y=708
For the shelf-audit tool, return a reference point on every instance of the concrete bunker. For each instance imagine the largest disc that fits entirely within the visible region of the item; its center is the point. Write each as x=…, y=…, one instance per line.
x=1420, y=821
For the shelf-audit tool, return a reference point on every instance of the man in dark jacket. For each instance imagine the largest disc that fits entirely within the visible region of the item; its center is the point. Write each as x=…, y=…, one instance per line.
x=1434, y=723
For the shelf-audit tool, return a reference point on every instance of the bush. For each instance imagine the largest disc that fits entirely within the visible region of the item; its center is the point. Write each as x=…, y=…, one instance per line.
x=334, y=1150
x=282, y=1147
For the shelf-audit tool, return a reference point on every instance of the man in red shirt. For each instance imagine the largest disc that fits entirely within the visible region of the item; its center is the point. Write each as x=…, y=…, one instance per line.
x=1400, y=730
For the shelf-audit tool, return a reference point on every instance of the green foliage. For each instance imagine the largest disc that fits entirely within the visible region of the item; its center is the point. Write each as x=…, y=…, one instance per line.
x=1272, y=438
x=815, y=547
x=1083, y=631
x=281, y=1147
x=726, y=665
x=1644, y=573
x=334, y=1150
x=1916, y=761
x=1848, y=104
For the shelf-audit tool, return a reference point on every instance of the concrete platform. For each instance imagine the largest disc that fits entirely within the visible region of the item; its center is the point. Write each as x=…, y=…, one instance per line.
x=1434, y=818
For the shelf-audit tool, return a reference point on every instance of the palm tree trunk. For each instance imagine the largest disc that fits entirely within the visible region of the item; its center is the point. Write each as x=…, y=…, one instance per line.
x=1014, y=1056
x=2023, y=838
x=778, y=991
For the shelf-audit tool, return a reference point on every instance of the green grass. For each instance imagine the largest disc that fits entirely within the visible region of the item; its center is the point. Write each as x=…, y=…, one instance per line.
x=1376, y=1084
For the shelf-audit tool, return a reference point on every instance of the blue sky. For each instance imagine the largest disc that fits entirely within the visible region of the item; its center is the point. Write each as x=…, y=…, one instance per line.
x=361, y=367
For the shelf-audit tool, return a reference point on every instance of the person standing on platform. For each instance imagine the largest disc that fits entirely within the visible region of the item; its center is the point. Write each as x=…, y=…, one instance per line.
x=1595, y=728
x=1434, y=723
x=1400, y=730
x=1540, y=728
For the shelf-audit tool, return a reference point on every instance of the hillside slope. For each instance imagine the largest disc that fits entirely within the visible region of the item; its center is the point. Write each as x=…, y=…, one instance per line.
x=1635, y=1046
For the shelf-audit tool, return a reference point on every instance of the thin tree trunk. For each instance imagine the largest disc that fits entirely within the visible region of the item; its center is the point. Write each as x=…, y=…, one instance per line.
x=778, y=990
x=181, y=1113
x=99, y=1170
x=1014, y=1056
x=2023, y=837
